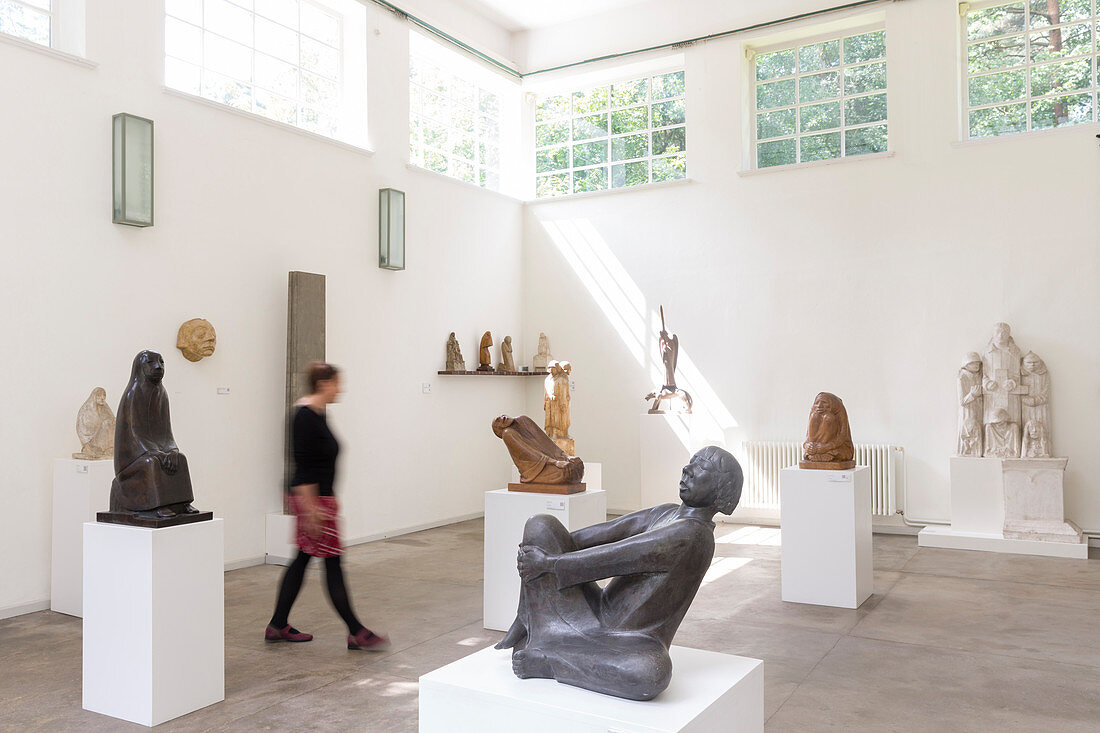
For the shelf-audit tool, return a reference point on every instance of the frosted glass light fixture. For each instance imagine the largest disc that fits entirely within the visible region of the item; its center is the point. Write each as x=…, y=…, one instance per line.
x=391, y=229
x=133, y=170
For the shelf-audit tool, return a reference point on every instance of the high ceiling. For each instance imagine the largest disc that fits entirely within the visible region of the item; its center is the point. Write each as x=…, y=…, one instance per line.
x=519, y=15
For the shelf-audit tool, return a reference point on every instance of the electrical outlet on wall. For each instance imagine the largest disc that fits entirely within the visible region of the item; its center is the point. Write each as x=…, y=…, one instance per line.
x=572, y=386
x=223, y=390
x=426, y=387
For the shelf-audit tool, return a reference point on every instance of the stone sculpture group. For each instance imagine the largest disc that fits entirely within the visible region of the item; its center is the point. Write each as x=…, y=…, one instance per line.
x=1003, y=400
x=95, y=426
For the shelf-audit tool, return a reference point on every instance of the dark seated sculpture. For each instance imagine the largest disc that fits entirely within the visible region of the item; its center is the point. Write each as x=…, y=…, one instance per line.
x=615, y=639
x=152, y=486
x=543, y=466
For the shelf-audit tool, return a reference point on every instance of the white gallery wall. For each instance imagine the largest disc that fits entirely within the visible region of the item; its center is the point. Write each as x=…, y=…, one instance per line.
x=870, y=279
x=239, y=203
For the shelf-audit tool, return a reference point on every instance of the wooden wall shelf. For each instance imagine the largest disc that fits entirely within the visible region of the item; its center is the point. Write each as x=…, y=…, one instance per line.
x=492, y=374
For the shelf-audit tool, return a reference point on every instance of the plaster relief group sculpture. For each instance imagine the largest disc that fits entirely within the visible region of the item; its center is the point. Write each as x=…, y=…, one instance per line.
x=95, y=426
x=670, y=352
x=455, y=362
x=152, y=486
x=828, y=444
x=615, y=639
x=1003, y=402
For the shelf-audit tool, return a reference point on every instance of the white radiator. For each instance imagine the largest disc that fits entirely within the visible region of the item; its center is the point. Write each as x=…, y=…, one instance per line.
x=762, y=461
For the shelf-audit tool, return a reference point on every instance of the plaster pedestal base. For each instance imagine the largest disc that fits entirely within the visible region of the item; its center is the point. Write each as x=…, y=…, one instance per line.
x=282, y=545
x=1010, y=505
x=154, y=620
x=479, y=694
x=826, y=526
x=80, y=489
x=667, y=443
x=505, y=514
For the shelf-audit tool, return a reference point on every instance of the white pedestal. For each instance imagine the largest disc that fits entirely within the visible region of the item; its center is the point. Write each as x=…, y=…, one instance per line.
x=667, y=443
x=593, y=476
x=80, y=489
x=1011, y=505
x=505, y=514
x=154, y=620
x=479, y=694
x=282, y=545
x=826, y=521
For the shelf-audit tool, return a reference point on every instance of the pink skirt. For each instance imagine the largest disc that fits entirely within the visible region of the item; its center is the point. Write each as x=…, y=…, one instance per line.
x=328, y=543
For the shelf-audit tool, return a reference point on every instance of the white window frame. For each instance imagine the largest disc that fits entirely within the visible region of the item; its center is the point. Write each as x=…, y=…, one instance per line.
x=53, y=14
x=965, y=9
x=340, y=80
x=610, y=163
x=422, y=50
x=809, y=39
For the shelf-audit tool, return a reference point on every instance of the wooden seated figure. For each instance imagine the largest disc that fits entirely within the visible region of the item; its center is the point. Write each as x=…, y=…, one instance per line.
x=828, y=443
x=152, y=486
x=615, y=639
x=543, y=466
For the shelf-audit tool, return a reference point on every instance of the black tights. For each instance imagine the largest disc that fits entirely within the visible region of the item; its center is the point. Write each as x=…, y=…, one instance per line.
x=337, y=592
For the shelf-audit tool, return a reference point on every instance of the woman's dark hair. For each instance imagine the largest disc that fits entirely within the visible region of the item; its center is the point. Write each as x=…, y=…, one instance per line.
x=319, y=371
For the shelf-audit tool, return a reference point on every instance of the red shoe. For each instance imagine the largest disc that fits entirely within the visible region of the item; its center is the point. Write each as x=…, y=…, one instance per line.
x=367, y=640
x=287, y=633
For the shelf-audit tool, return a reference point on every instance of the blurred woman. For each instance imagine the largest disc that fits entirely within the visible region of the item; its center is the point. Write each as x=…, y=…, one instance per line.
x=315, y=448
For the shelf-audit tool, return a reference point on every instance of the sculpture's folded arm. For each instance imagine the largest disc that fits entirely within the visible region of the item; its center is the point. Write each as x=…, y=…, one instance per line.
x=656, y=551
x=618, y=528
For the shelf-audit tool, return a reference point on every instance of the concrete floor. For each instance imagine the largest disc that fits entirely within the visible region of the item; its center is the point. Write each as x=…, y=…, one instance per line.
x=950, y=641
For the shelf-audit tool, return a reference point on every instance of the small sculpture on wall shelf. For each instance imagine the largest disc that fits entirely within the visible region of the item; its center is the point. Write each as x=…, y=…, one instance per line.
x=196, y=339
x=670, y=352
x=541, y=359
x=970, y=406
x=555, y=403
x=615, y=639
x=828, y=444
x=152, y=486
x=95, y=426
x=485, y=358
x=543, y=466
x=455, y=362
x=507, y=361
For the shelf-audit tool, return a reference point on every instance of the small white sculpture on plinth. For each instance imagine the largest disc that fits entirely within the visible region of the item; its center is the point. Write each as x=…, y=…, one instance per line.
x=542, y=359
x=970, y=406
x=95, y=426
x=1036, y=439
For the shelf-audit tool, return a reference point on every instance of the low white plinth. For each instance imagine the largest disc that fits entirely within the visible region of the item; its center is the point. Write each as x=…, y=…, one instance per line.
x=282, y=544
x=952, y=539
x=505, y=514
x=154, y=620
x=80, y=489
x=826, y=524
x=479, y=694
x=1010, y=505
x=593, y=476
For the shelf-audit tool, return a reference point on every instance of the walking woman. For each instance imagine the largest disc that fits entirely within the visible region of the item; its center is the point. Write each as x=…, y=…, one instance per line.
x=313, y=503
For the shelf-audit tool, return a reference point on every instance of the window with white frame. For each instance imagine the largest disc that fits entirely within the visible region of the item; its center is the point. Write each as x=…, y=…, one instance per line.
x=282, y=59
x=1030, y=65
x=612, y=136
x=820, y=100
x=454, y=115
x=31, y=20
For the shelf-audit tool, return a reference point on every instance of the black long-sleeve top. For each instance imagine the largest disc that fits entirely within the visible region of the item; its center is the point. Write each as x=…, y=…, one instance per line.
x=315, y=449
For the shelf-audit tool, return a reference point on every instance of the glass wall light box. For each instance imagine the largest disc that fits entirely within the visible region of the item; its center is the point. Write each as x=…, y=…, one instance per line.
x=391, y=229
x=133, y=170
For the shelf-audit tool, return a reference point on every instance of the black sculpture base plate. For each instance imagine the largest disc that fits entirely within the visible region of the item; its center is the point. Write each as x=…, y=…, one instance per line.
x=136, y=521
